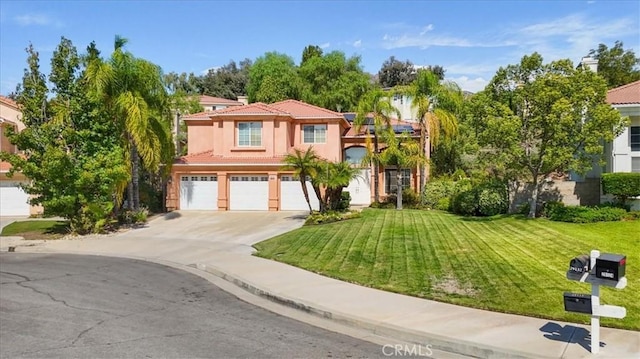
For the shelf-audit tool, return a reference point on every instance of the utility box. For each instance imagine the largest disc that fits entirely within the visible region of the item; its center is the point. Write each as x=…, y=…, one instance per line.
x=580, y=264
x=610, y=266
x=577, y=303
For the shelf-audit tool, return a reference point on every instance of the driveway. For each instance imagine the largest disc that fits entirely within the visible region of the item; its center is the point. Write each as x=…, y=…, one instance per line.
x=181, y=236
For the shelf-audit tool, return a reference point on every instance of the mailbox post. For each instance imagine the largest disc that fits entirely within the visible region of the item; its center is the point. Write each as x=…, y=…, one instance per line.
x=606, y=269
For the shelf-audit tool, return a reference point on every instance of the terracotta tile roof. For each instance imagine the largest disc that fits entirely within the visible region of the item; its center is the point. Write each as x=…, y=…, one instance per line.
x=198, y=116
x=210, y=100
x=624, y=95
x=210, y=159
x=299, y=109
x=256, y=108
x=9, y=102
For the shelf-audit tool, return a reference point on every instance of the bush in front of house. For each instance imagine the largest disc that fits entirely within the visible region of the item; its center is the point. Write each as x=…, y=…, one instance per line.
x=435, y=192
x=622, y=185
x=557, y=211
x=485, y=199
x=329, y=217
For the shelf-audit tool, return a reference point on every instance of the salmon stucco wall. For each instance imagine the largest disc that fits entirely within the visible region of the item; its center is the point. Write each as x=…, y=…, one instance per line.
x=200, y=136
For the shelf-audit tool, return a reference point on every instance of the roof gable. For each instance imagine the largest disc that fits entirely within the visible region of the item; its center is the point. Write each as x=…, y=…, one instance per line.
x=625, y=95
x=299, y=109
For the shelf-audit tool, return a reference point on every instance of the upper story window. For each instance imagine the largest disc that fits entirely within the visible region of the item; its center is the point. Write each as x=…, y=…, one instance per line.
x=250, y=134
x=314, y=133
x=634, y=139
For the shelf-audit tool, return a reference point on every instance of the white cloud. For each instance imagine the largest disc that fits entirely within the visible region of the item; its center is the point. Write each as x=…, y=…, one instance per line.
x=425, y=39
x=357, y=43
x=36, y=19
x=325, y=45
x=470, y=84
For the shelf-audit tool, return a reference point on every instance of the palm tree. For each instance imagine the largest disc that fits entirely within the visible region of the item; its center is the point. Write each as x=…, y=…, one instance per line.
x=435, y=104
x=134, y=95
x=303, y=165
x=375, y=109
x=402, y=152
x=328, y=181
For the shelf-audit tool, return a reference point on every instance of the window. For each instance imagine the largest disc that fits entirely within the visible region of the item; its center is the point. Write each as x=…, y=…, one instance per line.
x=250, y=134
x=634, y=138
x=635, y=164
x=391, y=181
x=314, y=133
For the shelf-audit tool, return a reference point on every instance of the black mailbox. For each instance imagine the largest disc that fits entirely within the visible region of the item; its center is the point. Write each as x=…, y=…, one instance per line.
x=610, y=266
x=576, y=302
x=580, y=264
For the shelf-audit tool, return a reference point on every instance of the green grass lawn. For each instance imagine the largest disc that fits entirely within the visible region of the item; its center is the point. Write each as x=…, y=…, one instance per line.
x=37, y=229
x=507, y=264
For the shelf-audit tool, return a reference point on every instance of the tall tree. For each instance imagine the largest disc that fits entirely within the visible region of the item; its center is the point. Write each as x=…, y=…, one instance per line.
x=72, y=157
x=401, y=152
x=133, y=91
x=309, y=52
x=375, y=112
x=543, y=118
x=329, y=179
x=395, y=72
x=617, y=65
x=273, y=77
x=228, y=81
x=333, y=81
x=303, y=165
x=183, y=82
x=436, y=104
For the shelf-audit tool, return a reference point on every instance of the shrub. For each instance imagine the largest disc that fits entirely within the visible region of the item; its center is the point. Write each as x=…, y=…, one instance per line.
x=329, y=217
x=345, y=202
x=621, y=185
x=583, y=214
x=632, y=215
x=129, y=217
x=444, y=204
x=410, y=198
x=465, y=203
x=435, y=191
x=485, y=199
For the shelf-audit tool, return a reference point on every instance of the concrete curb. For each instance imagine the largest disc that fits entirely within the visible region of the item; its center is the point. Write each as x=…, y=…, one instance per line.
x=441, y=343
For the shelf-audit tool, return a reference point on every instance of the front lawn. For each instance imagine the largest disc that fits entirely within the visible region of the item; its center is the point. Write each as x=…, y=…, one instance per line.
x=31, y=229
x=507, y=264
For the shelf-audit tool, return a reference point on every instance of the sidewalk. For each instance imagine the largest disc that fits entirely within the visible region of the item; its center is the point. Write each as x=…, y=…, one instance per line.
x=461, y=330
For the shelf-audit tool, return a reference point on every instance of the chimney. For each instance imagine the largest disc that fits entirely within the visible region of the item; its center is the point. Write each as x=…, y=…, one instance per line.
x=243, y=99
x=589, y=63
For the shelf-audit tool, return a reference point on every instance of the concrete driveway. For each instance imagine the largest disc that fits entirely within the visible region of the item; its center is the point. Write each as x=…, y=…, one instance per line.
x=181, y=236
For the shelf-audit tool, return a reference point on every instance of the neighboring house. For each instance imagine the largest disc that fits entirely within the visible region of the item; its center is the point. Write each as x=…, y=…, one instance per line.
x=623, y=155
x=13, y=200
x=210, y=103
x=235, y=157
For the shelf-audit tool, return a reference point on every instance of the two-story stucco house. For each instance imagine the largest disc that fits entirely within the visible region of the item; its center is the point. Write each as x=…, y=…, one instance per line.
x=235, y=157
x=13, y=200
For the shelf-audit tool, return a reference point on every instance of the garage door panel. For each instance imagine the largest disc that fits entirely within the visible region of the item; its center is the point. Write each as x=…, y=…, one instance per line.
x=292, y=196
x=360, y=188
x=249, y=193
x=199, y=192
x=13, y=200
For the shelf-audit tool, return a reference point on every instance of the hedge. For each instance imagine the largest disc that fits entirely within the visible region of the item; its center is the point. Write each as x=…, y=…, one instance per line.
x=621, y=185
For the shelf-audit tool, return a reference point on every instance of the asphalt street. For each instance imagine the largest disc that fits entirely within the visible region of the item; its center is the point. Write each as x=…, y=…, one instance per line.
x=71, y=306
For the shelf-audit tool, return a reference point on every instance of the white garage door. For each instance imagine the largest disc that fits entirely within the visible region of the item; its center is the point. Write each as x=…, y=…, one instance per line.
x=360, y=188
x=13, y=200
x=199, y=192
x=249, y=193
x=292, y=197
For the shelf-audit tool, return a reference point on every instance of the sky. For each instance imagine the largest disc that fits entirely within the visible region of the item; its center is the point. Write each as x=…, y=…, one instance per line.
x=470, y=39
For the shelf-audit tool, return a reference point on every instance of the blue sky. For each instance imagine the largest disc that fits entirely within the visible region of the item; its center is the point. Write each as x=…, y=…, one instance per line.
x=470, y=39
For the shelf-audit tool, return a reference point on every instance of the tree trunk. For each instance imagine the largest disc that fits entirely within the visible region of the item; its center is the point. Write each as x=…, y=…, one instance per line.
x=376, y=169
x=533, y=201
x=303, y=183
x=135, y=177
x=422, y=148
x=316, y=189
x=130, y=195
x=398, y=189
